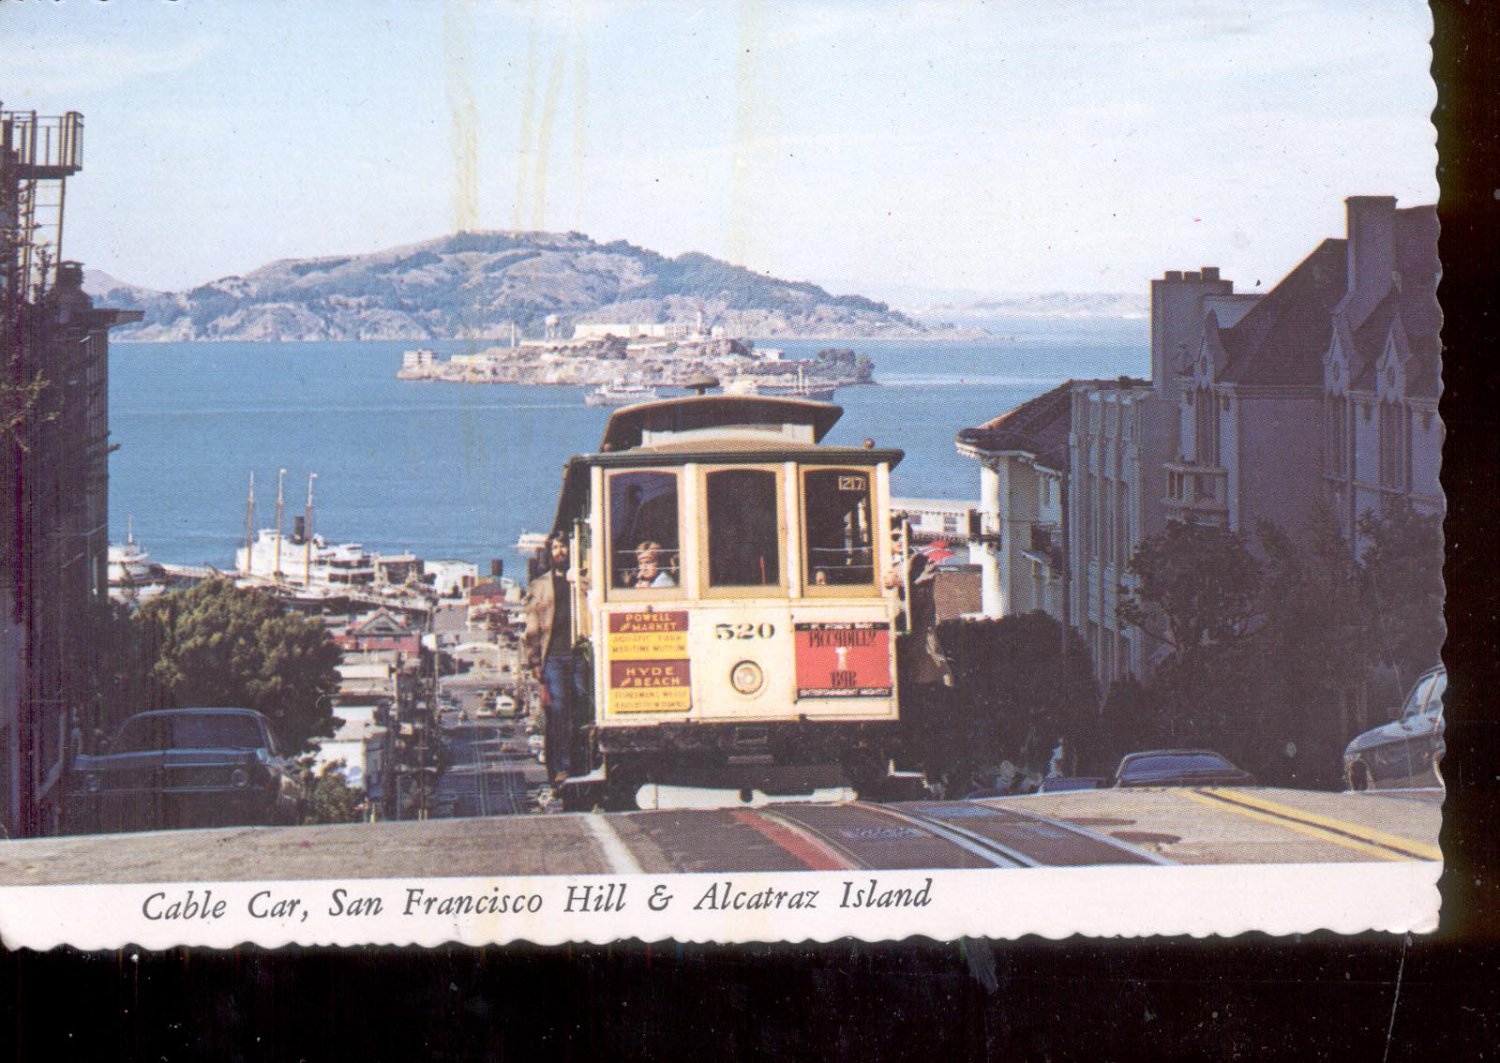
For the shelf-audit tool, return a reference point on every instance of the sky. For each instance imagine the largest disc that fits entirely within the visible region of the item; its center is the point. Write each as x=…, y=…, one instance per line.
x=872, y=146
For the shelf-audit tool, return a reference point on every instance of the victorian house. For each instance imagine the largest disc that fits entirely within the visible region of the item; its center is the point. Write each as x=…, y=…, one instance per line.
x=1321, y=393
x=1381, y=374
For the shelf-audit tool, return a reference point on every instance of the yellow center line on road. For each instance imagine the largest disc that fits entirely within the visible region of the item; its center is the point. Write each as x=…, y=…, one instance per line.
x=1322, y=834
x=1358, y=831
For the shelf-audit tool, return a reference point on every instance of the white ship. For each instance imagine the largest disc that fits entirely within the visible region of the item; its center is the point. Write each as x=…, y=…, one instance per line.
x=802, y=389
x=314, y=569
x=307, y=562
x=620, y=393
x=132, y=573
x=531, y=542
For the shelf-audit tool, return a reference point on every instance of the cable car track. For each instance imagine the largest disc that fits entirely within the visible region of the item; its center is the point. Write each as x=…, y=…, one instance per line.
x=931, y=834
x=878, y=838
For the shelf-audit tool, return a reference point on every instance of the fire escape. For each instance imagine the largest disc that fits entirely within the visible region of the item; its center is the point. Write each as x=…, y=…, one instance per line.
x=41, y=154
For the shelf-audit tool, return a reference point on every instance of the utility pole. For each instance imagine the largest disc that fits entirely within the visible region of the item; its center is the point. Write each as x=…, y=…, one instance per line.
x=307, y=534
x=280, y=503
x=250, y=525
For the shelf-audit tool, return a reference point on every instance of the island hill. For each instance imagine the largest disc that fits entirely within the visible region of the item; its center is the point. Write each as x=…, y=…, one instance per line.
x=642, y=355
x=490, y=286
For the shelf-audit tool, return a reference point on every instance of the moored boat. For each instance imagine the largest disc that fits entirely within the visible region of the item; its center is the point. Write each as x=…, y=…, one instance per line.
x=802, y=389
x=132, y=573
x=620, y=393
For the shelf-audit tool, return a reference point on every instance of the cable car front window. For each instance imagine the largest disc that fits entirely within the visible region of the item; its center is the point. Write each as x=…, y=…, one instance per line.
x=643, y=543
x=840, y=532
x=744, y=535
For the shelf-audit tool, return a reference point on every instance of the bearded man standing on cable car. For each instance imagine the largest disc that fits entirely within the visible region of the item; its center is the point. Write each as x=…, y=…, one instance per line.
x=550, y=657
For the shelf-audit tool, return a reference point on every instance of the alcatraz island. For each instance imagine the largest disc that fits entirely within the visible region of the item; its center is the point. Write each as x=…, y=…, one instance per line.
x=643, y=356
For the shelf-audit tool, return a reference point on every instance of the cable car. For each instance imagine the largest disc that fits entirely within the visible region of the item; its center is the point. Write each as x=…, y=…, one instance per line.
x=734, y=595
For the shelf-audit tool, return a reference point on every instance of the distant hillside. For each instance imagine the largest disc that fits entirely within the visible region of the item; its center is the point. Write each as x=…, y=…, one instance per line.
x=1059, y=305
x=476, y=284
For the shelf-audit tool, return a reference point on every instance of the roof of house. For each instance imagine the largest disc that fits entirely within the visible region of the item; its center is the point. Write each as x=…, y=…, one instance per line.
x=381, y=622
x=1283, y=337
x=1038, y=427
x=1413, y=301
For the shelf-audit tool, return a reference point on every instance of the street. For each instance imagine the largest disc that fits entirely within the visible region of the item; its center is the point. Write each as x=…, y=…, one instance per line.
x=490, y=770
x=1078, y=829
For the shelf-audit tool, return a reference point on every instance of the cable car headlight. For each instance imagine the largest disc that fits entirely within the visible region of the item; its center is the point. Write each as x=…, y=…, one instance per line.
x=746, y=678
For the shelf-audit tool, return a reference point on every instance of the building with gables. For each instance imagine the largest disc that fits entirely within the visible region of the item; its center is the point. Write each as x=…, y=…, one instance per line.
x=1023, y=467
x=382, y=630
x=1382, y=439
x=1319, y=394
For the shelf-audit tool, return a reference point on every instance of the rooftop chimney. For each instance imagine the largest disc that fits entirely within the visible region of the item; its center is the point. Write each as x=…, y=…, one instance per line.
x=1210, y=273
x=1371, y=251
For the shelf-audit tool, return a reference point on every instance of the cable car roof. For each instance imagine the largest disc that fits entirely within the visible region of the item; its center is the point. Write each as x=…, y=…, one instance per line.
x=623, y=432
x=621, y=445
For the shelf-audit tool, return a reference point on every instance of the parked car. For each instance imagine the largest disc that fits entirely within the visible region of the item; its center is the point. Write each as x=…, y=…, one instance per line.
x=200, y=767
x=1057, y=784
x=1179, y=767
x=1405, y=753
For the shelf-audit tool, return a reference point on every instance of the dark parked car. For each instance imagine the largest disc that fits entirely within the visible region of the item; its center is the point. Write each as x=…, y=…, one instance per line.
x=1179, y=767
x=1057, y=784
x=1403, y=754
x=187, y=768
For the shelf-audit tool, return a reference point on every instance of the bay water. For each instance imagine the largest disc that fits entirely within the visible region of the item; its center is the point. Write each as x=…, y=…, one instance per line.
x=459, y=471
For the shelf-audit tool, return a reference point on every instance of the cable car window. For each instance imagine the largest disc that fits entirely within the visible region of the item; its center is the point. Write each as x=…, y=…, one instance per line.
x=744, y=536
x=643, y=544
x=840, y=532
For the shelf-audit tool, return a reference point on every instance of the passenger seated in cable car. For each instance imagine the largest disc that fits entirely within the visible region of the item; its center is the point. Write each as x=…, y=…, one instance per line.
x=649, y=570
x=642, y=515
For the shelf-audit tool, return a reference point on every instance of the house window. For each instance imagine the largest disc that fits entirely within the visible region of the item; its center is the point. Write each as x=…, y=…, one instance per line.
x=1393, y=445
x=1106, y=519
x=1122, y=521
x=1336, y=444
x=1206, y=430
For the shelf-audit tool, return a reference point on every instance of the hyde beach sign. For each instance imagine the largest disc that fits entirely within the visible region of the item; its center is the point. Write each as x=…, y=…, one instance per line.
x=649, y=669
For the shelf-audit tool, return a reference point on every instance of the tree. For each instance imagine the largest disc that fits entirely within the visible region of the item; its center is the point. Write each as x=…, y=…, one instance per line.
x=1401, y=569
x=333, y=799
x=1020, y=689
x=1128, y=721
x=1198, y=591
x=1268, y=646
x=218, y=644
x=1314, y=649
x=1199, y=585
